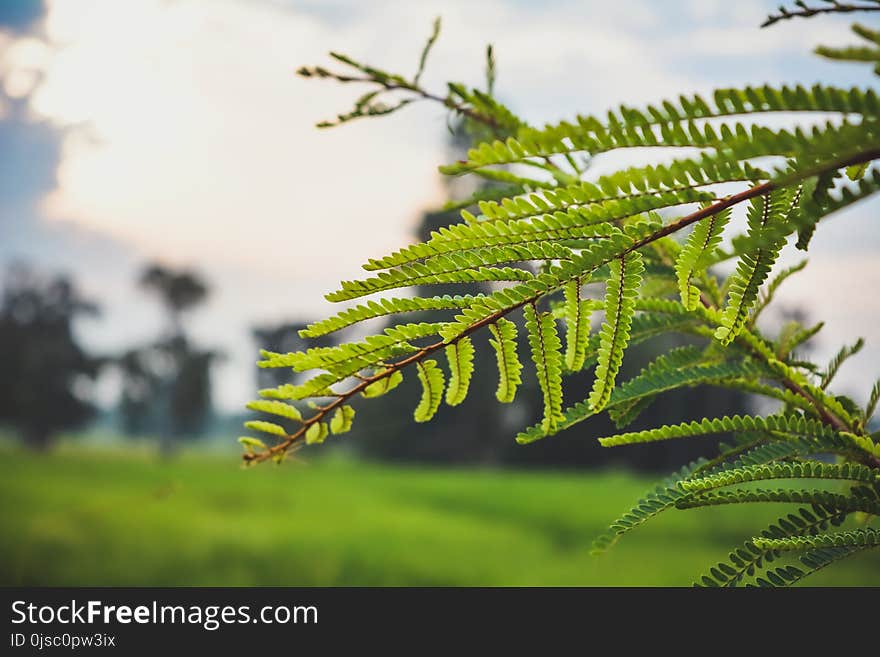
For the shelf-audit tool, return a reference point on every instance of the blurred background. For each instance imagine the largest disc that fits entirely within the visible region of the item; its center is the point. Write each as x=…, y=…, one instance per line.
x=167, y=208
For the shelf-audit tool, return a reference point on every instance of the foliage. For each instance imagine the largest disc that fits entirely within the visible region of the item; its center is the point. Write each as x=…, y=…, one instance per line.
x=557, y=229
x=166, y=386
x=179, y=291
x=43, y=365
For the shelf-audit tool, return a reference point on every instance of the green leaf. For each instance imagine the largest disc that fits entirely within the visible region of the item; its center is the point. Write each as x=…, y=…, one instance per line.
x=344, y=360
x=745, y=560
x=276, y=408
x=266, y=427
x=423, y=59
x=872, y=400
x=620, y=294
x=625, y=414
x=546, y=346
x=859, y=498
x=461, y=366
x=433, y=381
x=697, y=254
x=440, y=270
x=675, y=124
x=342, y=419
x=799, y=470
x=250, y=443
x=577, y=326
x=681, y=367
x=765, y=216
x=662, y=498
x=838, y=360
x=814, y=560
x=384, y=385
x=862, y=537
x=796, y=425
x=509, y=366
x=317, y=433
x=383, y=307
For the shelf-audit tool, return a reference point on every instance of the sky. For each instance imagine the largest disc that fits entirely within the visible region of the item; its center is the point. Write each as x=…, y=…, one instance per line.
x=176, y=130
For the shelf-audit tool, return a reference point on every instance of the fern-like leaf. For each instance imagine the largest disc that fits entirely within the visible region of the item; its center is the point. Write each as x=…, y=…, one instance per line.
x=384, y=385
x=381, y=308
x=342, y=420
x=266, y=427
x=859, y=498
x=432, y=380
x=317, y=433
x=697, y=254
x=794, y=425
x=798, y=470
x=872, y=401
x=655, y=380
x=663, y=497
x=748, y=558
x=814, y=560
x=461, y=366
x=449, y=271
x=509, y=366
x=620, y=294
x=546, y=354
x=577, y=329
x=279, y=408
x=862, y=537
x=838, y=360
x=765, y=214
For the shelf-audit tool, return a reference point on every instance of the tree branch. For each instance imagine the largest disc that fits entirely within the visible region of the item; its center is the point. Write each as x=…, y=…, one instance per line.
x=722, y=204
x=805, y=11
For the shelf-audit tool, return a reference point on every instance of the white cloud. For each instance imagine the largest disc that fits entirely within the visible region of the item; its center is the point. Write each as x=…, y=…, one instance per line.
x=194, y=140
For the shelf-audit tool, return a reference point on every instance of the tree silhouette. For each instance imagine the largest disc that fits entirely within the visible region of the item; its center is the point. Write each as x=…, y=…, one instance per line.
x=45, y=373
x=179, y=291
x=167, y=384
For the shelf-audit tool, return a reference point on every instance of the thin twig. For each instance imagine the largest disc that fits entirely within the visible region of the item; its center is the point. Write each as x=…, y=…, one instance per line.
x=806, y=12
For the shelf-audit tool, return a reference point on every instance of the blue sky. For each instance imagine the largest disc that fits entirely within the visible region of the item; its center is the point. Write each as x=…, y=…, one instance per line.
x=175, y=130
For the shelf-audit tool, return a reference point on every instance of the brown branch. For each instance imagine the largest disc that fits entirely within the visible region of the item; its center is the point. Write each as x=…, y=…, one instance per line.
x=419, y=91
x=806, y=12
x=723, y=204
x=343, y=397
x=447, y=102
x=827, y=416
x=413, y=87
x=464, y=110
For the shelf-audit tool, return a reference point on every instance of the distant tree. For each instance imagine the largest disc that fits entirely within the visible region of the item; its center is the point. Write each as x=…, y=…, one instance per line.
x=45, y=373
x=179, y=291
x=141, y=384
x=166, y=385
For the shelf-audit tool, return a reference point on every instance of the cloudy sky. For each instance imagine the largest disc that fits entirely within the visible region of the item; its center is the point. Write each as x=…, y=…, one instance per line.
x=176, y=130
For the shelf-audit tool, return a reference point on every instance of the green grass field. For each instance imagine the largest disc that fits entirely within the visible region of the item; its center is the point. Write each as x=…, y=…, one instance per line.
x=89, y=517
